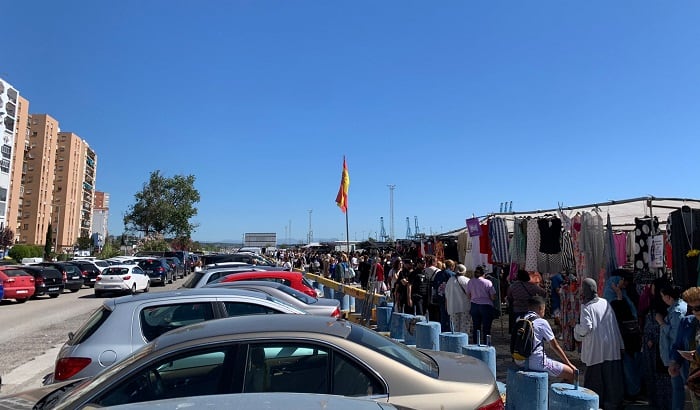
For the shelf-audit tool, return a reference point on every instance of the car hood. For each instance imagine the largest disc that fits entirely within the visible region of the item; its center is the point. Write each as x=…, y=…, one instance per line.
x=461, y=368
x=27, y=399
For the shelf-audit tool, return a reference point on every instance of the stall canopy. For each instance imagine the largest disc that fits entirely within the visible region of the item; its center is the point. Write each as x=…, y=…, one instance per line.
x=622, y=212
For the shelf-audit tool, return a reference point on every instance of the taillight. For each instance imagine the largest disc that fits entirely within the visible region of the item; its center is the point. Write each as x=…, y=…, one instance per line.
x=39, y=280
x=127, y=277
x=161, y=270
x=84, y=273
x=65, y=276
x=336, y=313
x=9, y=280
x=98, y=278
x=496, y=405
x=69, y=367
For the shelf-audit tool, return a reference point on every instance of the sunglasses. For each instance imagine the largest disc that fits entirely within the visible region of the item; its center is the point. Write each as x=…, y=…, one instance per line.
x=694, y=308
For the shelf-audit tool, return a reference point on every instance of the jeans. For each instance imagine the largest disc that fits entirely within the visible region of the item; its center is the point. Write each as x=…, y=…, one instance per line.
x=632, y=367
x=678, y=393
x=482, y=316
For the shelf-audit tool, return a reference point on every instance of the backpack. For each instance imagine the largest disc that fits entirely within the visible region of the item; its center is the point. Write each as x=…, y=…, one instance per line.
x=522, y=337
x=422, y=285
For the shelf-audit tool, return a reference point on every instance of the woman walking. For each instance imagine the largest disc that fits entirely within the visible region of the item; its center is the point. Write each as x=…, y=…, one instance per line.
x=457, y=301
x=481, y=293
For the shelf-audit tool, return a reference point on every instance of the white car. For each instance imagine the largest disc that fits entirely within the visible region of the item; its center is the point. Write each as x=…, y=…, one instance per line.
x=122, y=279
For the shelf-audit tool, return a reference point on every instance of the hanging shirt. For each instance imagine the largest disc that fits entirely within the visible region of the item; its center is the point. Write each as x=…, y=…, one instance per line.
x=550, y=232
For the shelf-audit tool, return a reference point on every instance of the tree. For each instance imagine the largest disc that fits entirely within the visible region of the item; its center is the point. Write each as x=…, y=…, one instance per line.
x=154, y=245
x=7, y=238
x=48, y=244
x=164, y=206
x=84, y=242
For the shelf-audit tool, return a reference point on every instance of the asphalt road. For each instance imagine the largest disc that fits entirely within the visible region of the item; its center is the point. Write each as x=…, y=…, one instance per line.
x=31, y=334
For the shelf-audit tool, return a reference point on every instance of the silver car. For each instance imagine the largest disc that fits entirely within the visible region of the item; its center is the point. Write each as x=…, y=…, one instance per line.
x=122, y=325
x=288, y=353
x=202, y=278
x=280, y=291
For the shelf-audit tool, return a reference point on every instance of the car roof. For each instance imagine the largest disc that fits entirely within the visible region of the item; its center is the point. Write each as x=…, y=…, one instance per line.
x=195, y=292
x=252, y=324
x=244, y=283
x=271, y=273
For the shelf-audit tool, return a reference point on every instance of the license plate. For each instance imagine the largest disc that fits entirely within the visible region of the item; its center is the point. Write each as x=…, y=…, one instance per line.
x=53, y=289
x=75, y=277
x=22, y=291
x=149, y=270
x=92, y=280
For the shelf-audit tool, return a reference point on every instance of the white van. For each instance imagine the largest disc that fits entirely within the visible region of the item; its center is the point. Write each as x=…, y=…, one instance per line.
x=31, y=261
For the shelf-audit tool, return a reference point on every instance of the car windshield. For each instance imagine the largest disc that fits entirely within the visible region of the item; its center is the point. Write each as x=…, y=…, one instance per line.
x=397, y=351
x=15, y=272
x=115, y=271
x=302, y=297
x=193, y=280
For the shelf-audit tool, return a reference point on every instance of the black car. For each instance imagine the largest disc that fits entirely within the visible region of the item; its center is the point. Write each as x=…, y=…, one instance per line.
x=177, y=266
x=88, y=270
x=158, y=270
x=47, y=280
x=71, y=274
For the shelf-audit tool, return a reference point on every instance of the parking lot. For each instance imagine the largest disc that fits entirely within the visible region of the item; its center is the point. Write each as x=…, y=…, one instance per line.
x=31, y=329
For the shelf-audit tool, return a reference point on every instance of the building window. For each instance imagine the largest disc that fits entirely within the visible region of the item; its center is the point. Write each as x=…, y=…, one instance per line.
x=5, y=166
x=25, y=227
x=6, y=151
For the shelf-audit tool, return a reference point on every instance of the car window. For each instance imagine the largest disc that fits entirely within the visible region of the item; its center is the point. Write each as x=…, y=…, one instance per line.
x=286, y=367
x=93, y=323
x=15, y=272
x=244, y=309
x=115, y=271
x=302, y=297
x=350, y=379
x=195, y=374
x=156, y=320
x=278, y=280
x=138, y=270
x=213, y=277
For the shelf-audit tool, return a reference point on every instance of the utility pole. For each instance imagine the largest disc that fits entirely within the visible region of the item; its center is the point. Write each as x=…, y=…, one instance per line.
x=391, y=211
x=311, y=232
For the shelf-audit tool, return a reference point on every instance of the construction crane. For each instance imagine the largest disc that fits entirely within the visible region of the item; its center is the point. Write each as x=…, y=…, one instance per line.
x=409, y=235
x=382, y=231
x=417, y=229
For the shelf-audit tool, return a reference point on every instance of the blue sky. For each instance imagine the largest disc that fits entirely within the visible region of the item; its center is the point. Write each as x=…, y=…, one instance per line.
x=460, y=104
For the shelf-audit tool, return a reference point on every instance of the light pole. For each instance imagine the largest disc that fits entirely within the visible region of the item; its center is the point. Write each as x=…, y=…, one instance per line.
x=391, y=211
x=311, y=232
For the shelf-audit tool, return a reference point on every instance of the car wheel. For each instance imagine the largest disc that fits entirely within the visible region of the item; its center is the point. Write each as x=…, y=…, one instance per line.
x=74, y=290
x=21, y=300
x=98, y=293
x=148, y=287
x=133, y=289
x=171, y=279
x=54, y=295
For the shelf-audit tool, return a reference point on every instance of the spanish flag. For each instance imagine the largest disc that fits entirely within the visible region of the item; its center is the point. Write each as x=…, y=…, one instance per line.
x=342, y=198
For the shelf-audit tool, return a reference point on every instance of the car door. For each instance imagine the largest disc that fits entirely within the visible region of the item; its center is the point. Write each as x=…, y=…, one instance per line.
x=141, y=278
x=299, y=366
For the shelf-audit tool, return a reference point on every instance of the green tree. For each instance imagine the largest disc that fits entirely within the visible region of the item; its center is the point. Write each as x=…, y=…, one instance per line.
x=19, y=252
x=108, y=251
x=7, y=238
x=48, y=243
x=154, y=245
x=84, y=242
x=164, y=206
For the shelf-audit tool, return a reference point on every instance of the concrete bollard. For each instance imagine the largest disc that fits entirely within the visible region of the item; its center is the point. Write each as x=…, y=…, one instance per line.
x=527, y=390
x=351, y=303
x=486, y=354
x=428, y=335
x=567, y=396
x=344, y=301
x=329, y=293
x=453, y=342
x=409, y=332
x=397, y=326
x=359, y=305
x=383, y=318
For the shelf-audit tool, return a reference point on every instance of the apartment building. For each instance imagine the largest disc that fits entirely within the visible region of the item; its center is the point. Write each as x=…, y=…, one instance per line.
x=37, y=179
x=20, y=149
x=9, y=100
x=100, y=219
x=73, y=189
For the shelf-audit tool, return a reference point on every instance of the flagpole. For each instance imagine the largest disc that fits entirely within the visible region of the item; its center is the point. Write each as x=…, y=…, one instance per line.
x=347, y=233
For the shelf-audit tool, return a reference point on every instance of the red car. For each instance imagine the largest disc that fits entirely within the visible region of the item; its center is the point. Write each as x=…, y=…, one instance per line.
x=18, y=284
x=294, y=280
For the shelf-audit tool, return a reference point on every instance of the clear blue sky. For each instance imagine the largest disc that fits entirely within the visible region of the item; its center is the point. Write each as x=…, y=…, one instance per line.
x=461, y=104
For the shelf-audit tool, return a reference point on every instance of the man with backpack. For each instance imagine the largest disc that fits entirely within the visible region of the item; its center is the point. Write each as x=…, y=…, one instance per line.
x=419, y=288
x=530, y=333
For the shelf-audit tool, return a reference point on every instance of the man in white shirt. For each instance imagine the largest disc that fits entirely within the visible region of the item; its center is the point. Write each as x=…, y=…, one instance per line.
x=601, y=345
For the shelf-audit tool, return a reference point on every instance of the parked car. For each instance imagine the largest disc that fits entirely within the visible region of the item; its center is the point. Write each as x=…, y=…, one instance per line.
x=247, y=401
x=177, y=266
x=88, y=270
x=302, y=301
x=295, y=280
x=121, y=325
x=290, y=353
x=245, y=257
x=121, y=279
x=182, y=255
x=17, y=283
x=158, y=270
x=199, y=279
x=71, y=274
x=47, y=280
